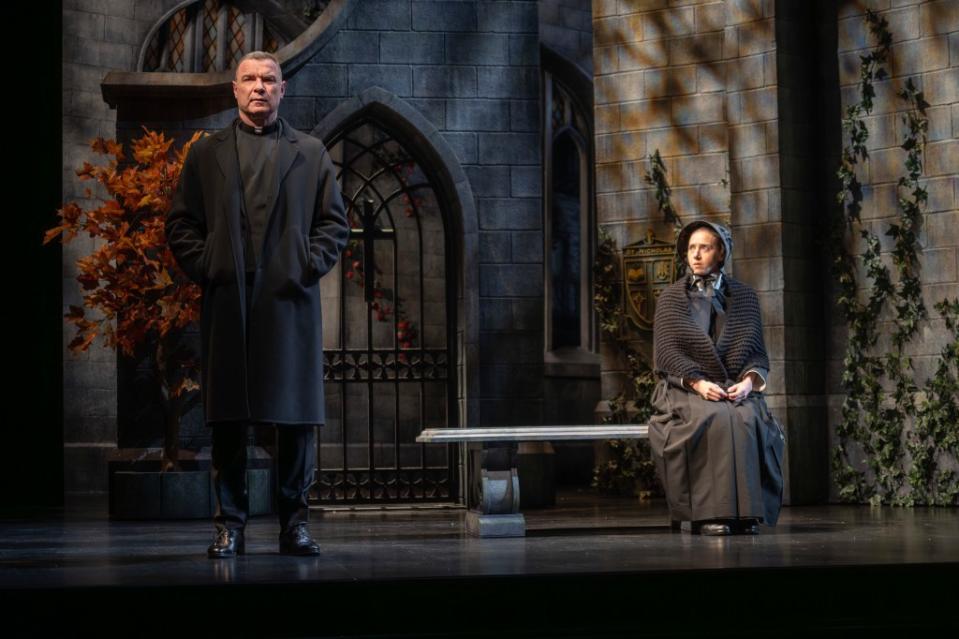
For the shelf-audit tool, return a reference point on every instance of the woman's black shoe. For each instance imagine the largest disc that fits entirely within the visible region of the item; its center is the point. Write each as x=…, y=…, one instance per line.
x=747, y=526
x=714, y=528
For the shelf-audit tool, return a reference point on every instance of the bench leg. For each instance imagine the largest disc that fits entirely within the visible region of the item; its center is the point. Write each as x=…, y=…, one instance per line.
x=494, y=492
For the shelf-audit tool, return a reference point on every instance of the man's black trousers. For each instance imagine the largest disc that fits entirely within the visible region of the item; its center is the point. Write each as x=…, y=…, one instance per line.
x=295, y=467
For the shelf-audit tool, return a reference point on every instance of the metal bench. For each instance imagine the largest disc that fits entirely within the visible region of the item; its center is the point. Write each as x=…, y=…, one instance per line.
x=494, y=483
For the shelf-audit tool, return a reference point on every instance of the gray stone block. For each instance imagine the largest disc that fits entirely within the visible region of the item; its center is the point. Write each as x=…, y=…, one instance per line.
x=463, y=145
x=524, y=115
x=82, y=377
x=509, y=17
x=526, y=181
x=324, y=106
x=80, y=403
x=392, y=77
x=212, y=122
x=91, y=429
x=509, y=148
x=494, y=247
x=182, y=492
x=496, y=314
x=527, y=314
x=83, y=24
x=89, y=104
x=507, y=82
x=489, y=181
x=938, y=265
x=477, y=115
x=510, y=213
x=299, y=112
x=480, y=49
x=350, y=47
x=117, y=56
x=527, y=246
x=380, y=15
x=434, y=110
x=512, y=348
x=524, y=49
x=415, y=48
x=85, y=468
x=444, y=16
x=939, y=229
x=499, y=380
x=123, y=8
x=509, y=412
x=80, y=76
x=90, y=6
x=577, y=18
x=123, y=30
x=81, y=50
x=319, y=80
x=455, y=82
x=511, y=280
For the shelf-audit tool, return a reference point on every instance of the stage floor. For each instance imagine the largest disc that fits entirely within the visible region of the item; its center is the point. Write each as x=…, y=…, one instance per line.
x=421, y=558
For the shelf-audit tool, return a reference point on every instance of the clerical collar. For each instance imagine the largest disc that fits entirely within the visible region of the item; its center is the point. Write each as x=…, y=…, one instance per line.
x=266, y=130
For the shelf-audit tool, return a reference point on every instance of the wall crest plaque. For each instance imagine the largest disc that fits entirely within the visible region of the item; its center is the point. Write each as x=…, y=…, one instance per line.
x=649, y=266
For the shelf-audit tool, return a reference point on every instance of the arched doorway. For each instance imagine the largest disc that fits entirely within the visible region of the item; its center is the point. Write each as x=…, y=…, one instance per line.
x=389, y=328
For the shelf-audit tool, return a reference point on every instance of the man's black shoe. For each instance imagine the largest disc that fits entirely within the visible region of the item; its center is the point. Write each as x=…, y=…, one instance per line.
x=297, y=541
x=228, y=543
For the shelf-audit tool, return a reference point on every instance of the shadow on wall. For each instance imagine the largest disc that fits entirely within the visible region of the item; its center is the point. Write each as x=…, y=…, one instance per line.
x=679, y=78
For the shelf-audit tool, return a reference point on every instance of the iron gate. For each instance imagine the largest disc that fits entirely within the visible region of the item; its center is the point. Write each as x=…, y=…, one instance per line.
x=388, y=322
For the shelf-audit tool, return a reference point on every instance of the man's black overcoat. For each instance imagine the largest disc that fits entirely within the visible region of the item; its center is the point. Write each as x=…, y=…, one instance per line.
x=275, y=373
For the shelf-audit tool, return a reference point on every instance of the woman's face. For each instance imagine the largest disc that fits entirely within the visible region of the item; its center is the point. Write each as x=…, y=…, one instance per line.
x=704, y=253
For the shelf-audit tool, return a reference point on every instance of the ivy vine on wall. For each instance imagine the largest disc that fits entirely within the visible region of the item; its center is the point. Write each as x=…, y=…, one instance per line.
x=629, y=468
x=901, y=465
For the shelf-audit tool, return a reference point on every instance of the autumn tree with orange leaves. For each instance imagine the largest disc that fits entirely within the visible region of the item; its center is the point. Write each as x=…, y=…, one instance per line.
x=131, y=283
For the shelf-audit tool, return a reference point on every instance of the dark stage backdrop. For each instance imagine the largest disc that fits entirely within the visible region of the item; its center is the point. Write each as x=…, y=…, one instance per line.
x=31, y=456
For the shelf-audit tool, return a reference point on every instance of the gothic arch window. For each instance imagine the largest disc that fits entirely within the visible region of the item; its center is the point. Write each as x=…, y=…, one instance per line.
x=570, y=326
x=388, y=330
x=184, y=69
x=204, y=36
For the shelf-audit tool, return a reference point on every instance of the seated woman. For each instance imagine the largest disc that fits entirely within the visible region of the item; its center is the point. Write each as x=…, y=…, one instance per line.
x=718, y=450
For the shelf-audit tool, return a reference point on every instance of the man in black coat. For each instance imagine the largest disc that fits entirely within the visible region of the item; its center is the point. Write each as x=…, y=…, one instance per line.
x=256, y=220
x=717, y=448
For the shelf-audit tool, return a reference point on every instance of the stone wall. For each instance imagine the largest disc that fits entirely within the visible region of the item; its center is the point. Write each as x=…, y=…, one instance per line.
x=925, y=48
x=566, y=27
x=470, y=68
x=98, y=37
x=659, y=84
x=752, y=91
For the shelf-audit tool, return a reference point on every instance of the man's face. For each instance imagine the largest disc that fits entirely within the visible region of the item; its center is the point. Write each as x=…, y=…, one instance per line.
x=258, y=91
x=704, y=253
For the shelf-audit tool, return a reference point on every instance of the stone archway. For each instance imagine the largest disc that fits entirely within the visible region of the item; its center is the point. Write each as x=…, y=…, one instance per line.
x=371, y=126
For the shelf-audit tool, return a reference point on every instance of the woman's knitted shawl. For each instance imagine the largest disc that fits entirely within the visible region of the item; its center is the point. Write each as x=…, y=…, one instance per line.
x=682, y=349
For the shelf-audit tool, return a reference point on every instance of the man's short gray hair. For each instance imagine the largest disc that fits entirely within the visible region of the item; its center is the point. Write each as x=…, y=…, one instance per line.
x=260, y=55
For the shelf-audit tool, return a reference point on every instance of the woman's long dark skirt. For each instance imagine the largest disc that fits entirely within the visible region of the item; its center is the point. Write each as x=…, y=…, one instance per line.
x=717, y=460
